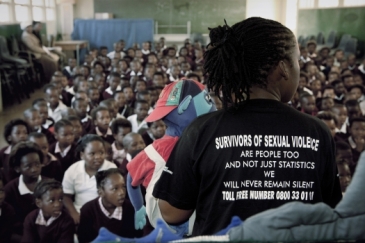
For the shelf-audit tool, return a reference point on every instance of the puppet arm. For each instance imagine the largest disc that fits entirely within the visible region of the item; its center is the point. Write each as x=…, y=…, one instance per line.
x=136, y=197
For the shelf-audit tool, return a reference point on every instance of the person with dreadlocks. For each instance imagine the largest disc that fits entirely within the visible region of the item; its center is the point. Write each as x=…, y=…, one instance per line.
x=257, y=153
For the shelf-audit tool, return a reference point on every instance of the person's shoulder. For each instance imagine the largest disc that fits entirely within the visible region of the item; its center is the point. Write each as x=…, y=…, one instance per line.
x=75, y=168
x=7, y=210
x=32, y=216
x=207, y=118
x=132, y=117
x=107, y=165
x=90, y=206
x=11, y=185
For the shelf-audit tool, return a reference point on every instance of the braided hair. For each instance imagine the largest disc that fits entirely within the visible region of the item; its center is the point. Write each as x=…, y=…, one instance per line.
x=243, y=55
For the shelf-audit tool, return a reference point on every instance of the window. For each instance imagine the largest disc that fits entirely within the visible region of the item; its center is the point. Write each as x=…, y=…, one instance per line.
x=21, y=13
x=38, y=14
x=50, y=3
x=4, y=10
x=24, y=2
x=306, y=3
x=350, y=3
x=50, y=14
x=37, y=2
x=328, y=4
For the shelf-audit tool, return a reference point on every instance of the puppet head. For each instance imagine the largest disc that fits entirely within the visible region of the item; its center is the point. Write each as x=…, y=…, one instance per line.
x=180, y=103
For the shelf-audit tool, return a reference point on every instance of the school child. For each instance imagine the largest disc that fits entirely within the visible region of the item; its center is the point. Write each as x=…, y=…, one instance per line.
x=129, y=95
x=325, y=104
x=358, y=79
x=124, y=66
x=79, y=180
x=356, y=140
x=149, y=71
x=199, y=59
x=328, y=91
x=15, y=131
x=58, y=81
x=124, y=81
x=120, y=128
x=311, y=48
x=78, y=131
x=145, y=95
x=175, y=73
x=117, y=49
x=307, y=103
x=114, y=85
x=49, y=222
x=51, y=166
x=348, y=80
x=353, y=109
x=94, y=97
x=113, y=108
x=80, y=106
x=344, y=156
x=34, y=120
x=123, y=110
x=103, y=51
x=110, y=210
x=153, y=96
x=42, y=107
x=26, y=159
x=330, y=120
x=135, y=67
x=340, y=111
x=344, y=174
x=55, y=106
x=340, y=90
x=132, y=142
x=138, y=119
x=185, y=68
x=139, y=85
x=101, y=119
x=67, y=70
x=64, y=148
x=357, y=93
x=304, y=83
x=7, y=215
x=65, y=114
x=155, y=131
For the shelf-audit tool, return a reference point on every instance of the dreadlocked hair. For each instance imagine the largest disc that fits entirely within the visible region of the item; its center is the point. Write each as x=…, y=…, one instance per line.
x=243, y=55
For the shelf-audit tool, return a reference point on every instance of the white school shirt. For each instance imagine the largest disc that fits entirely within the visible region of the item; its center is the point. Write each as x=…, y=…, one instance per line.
x=77, y=182
x=112, y=54
x=135, y=126
x=56, y=114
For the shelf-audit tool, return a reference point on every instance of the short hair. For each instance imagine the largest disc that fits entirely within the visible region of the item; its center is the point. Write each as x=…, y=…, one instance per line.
x=358, y=86
x=327, y=115
x=351, y=103
x=128, y=137
x=120, y=122
x=74, y=118
x=102, y=175
x=341, y=145
x=96, y=110
x=36, y=135
x=91, y=89
x=62, y=123
x=28, y=111
x=38, y=101
x=117, y=92
x=78, y=100
x=44, y=186
x=312, y=42
x=143, y=92
x=49, y=87
x=328, y=87
x=343, y=77
x=11, y=124
x=21, y=149
x=140, y=102
x=158, y=74
x=126, y=87
x=107, y=102
x=85, y=140
x=114, y=74
x=356, y=119
x=336, y=82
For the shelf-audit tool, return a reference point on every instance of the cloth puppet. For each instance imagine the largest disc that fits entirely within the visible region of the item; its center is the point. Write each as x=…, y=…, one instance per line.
x=291, y=222
x=178, y=105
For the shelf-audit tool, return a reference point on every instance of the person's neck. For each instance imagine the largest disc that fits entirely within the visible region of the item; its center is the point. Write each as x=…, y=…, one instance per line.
x=53, y=107
x=63, y=146
x=91, y=172
x=260, y=93
x=108, y=206
x=102, y=131
x=29, y=181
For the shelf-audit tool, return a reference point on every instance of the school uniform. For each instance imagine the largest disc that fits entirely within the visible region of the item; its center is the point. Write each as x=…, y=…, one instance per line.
x=67, y=72
x=87, y=125
x=133, y=73
x=7, y=221
x=56, y=113
x=59, y=229
x=9, y=173
x=136, y=126
x=125, y=111
x=108, y=93
x=66, y=97
x=355, y=154
x=118, y=155
x=123, y=166
x=112, y=54
x=21, y=198
x=49, y=123
x=54, y=169
x=108, y=137
x=77, y=182
x=94, y=216
x=67, y=157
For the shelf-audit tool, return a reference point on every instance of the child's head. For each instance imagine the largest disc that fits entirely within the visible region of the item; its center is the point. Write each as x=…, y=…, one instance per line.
x=131, y=52
x=15, y=131
x=98, y=68
x=112, y=106
x=81, y=85
x=144, y=95
x=67, y=112
x=339, y=87
x=133, y=142
x=33, y=118
x=43, y=111
x=123, y=64
x=48, y=196
x=72, y=63
x=328, y=91
x=326, y=104
x=316, y=86
x=157, y=128
x=119, y=98
x=353, y=109
x=358, y=79
x=77, y=127
x=114, y=81
x=117, y=46
x=153, y=95
x=175, y=71
x=343, y=153
x=41, y=140
x=348, y=80
x=85, y=71
x=340, y=111
x=303, y=80
x=357, y=128
x=140, y=85
x=141, y=109
x=344, y=174
x=311, y=46
x=26, y=158
x=80, y=106
x=64, y=133
x=135, y=66
x=111, y=187
x=51, y=95
x=333, y=76
x=158, y=79
x=307, y=103
x=149, y=71
x=120, y=127
x=103, y=51
x=128, y=92
x=330, y=120
x=93, y=94
x=101, y=118
x=92, y=151
x=357, y=91
x=152, y=58
x=139, y=53
x=339, y=55
x=303, y=52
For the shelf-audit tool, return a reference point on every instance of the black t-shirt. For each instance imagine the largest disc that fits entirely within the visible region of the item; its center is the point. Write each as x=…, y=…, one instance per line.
x=242, y=162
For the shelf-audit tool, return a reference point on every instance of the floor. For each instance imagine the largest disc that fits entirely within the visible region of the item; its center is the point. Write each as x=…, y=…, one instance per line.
x=15, y=111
